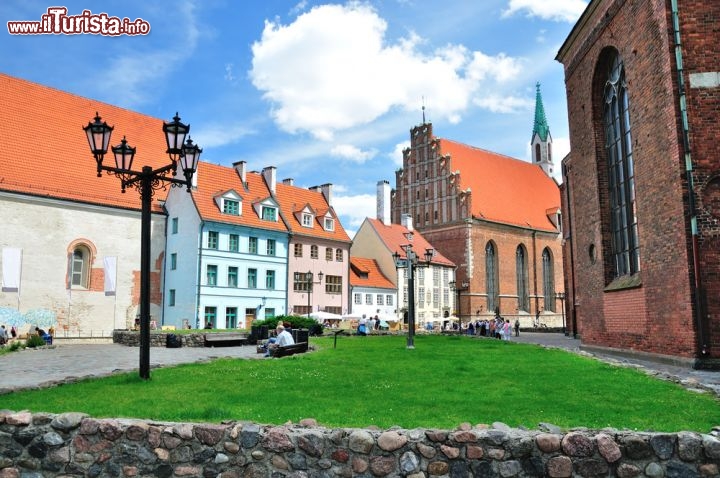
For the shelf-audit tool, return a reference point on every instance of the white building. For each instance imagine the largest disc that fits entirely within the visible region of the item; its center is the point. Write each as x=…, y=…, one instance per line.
x=70, y=240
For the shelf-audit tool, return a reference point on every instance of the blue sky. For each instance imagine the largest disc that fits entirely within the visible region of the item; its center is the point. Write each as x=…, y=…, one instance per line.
x=326, y=92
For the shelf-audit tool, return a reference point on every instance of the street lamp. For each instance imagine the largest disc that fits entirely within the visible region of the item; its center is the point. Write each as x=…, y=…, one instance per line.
x=309, y=280
x=146, y=182
x=411, y=262
x=561, y=298
x=459, y=288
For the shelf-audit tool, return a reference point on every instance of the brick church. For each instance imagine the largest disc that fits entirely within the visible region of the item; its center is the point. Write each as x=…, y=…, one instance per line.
x=641, y=186
x=496, y=217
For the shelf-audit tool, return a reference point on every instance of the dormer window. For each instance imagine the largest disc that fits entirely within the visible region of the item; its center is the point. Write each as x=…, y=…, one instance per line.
x=231, y=206
x=269, y=213
x=307, y=220
x=329, y=224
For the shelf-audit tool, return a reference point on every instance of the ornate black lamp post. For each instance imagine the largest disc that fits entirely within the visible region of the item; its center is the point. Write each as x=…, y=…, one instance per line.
x=146, y=182
x=411, y=262
x=309, y=279
x=459, y=288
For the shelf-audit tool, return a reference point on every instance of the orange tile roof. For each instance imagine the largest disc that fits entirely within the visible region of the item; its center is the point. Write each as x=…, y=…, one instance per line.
x=214, y=180
x=293, y=199
x=45, y=151
x=394, y=236
x=504, y=189
x=375, y=277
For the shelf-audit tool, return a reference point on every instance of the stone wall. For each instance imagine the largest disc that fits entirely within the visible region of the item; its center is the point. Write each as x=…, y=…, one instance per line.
x=74, y=444
x=157, y=339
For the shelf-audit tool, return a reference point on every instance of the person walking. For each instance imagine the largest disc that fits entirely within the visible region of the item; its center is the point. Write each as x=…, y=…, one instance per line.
x=517, y=327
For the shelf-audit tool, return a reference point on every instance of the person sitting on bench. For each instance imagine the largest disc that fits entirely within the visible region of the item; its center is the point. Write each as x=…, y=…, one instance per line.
x=283, y=338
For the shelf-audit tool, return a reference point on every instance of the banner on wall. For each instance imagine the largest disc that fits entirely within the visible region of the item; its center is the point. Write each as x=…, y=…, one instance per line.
x=11, y=268
x=110, y=264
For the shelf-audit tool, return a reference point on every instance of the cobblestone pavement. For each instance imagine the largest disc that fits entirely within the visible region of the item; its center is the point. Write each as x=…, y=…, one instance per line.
x=37, y=367
x=34, y=368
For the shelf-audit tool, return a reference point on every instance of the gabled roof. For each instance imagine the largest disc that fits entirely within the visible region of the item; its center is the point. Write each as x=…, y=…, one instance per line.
x=365, y=272
x=504, y=189
x=213, y=179
x=394, y=236
x=294, y=198
x=45, y=151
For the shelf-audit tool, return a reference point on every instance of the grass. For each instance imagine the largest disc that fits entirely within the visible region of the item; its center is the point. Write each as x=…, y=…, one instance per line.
x=366, y=381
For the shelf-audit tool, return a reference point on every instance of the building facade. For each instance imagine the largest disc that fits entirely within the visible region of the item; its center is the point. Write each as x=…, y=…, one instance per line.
x=642, y=219
x=226, y=251
x=319, y=250
x=71, y=240
x=378, y=239
x=496, y=217
x=372, y=293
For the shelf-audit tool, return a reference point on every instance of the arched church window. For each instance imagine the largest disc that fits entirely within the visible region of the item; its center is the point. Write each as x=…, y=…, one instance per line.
x=548, y=274
x=621, y=172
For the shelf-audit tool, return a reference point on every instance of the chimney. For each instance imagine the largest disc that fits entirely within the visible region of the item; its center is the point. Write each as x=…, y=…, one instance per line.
x=383, y=202
x=242, y=172
x=326, y=190
x=288, y=182
x=406, y=221
x=270, y=175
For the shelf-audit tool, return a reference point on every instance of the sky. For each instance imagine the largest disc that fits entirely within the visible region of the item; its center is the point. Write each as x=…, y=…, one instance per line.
x=326, y=92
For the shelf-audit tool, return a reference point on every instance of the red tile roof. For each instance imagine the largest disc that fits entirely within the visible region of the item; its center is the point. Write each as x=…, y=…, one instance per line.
x=366, y=273
x=293, y=199
x=214, y=180
x=394, y=236
x=504, y=189
x=45, y=152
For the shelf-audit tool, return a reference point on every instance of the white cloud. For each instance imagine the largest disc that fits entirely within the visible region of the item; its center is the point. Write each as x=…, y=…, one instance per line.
x=321, y=78
x=216, y=135
x=397, y=153
x=352, y=153
x=556, y=10
x=354, y=209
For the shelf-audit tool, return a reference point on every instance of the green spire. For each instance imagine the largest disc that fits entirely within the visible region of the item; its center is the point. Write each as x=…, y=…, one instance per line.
x=540, y=127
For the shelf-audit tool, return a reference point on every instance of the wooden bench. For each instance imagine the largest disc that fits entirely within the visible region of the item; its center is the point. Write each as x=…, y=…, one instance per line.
x=225, y=339
x=285, y=350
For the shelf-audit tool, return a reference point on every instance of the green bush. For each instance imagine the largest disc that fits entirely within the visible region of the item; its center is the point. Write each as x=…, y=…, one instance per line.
x=34, y=341
x=16, y=345
x=295, y=321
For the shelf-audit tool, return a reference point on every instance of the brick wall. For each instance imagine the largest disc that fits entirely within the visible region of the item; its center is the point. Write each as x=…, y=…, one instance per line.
x=661, y=310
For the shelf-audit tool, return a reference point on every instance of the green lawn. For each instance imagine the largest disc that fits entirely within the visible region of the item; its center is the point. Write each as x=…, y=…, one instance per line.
x=443, y=382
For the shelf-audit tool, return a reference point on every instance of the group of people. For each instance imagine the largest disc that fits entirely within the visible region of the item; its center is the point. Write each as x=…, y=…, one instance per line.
x=498, y=328
x=365, y=325
x=6, y=336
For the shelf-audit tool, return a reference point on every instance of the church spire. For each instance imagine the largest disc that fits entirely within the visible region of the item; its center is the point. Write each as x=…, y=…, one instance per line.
x=540, y=127
x=541, y=140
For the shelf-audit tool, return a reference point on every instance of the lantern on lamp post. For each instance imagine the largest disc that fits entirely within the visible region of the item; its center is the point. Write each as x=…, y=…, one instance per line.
x=146, y=181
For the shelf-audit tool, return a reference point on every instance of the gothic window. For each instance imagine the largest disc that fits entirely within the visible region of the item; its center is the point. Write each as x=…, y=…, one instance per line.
x=491, y=277
x=621, y=174
x=548, y=274
x=521, y=270
x=538, y=156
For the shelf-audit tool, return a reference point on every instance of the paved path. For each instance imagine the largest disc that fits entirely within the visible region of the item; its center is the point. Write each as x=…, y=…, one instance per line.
x=33, y=368
x=703, y=379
